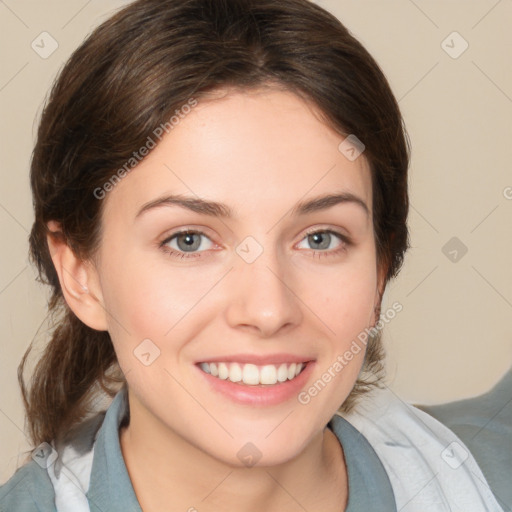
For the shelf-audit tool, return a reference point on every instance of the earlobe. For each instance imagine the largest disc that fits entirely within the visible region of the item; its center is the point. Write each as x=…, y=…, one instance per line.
x=78, y=280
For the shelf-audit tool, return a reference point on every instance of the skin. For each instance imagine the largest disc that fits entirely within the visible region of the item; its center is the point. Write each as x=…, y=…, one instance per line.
x=260, y=153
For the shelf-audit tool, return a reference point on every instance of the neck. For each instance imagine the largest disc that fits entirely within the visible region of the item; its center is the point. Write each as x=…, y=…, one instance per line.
x=168, y=473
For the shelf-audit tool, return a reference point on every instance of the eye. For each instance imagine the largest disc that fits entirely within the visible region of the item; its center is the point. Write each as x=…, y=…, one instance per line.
x=191, y=243
x=326, y=242
x=183, y=242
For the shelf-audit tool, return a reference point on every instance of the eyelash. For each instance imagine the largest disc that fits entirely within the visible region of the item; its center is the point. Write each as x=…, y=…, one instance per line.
x=345, y=244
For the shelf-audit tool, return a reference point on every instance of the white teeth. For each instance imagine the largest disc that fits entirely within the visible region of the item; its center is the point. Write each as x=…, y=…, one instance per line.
x=223, y=371
x=252, y=375
x=268, y=374
x=282, y=373
x=235, y=373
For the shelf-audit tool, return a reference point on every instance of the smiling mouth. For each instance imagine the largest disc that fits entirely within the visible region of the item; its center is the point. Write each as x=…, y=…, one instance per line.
x=253, y=375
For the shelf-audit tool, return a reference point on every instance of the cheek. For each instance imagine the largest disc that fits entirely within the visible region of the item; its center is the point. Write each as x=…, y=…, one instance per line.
x=344, y=296
x=147, y=298
x=345, y=305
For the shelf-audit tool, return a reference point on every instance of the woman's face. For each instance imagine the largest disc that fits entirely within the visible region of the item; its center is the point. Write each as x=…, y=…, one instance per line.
x=259, y=285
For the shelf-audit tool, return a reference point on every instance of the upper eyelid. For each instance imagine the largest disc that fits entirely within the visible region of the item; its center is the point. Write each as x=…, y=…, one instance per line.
x=183, y=231
x=336, y=231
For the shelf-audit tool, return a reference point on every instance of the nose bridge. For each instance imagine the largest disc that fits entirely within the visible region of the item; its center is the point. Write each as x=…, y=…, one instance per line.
x=262, y=294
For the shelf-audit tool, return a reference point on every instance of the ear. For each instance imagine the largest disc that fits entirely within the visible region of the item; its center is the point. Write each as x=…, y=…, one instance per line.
x=78, y=280
x=379, y=293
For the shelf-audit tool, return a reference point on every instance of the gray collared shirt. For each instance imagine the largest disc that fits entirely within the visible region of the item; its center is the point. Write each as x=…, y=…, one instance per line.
x=110, y=489
x=483, y=423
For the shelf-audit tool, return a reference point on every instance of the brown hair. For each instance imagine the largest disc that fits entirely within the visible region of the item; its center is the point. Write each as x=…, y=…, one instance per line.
x=129, y=77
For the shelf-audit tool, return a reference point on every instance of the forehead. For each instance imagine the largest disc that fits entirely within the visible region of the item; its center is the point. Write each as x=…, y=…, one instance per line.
x=250, y=149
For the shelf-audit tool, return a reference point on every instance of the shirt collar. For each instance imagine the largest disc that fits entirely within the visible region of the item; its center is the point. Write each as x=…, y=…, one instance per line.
x=111, y=489
x=368, y=483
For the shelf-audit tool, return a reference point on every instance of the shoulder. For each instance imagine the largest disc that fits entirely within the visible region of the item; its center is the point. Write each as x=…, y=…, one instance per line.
x=484, y=424
x=28, y=490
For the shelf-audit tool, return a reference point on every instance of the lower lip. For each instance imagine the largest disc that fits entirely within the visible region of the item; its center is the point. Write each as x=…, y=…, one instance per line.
x=262, y=395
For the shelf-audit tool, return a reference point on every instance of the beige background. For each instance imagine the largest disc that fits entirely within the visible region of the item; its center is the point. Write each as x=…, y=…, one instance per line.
x=453, y=338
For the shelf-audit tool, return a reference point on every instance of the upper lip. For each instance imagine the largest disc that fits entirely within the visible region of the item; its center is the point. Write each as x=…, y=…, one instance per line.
x=259, y=360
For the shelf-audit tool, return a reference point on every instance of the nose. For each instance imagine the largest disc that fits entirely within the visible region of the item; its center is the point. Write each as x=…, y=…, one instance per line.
x=261, y=297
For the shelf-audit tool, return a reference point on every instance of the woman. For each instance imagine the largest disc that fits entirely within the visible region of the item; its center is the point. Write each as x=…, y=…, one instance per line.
x=220, y=193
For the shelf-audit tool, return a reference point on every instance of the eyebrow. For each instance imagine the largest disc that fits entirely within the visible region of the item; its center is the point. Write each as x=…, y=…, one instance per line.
x=215, y=209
